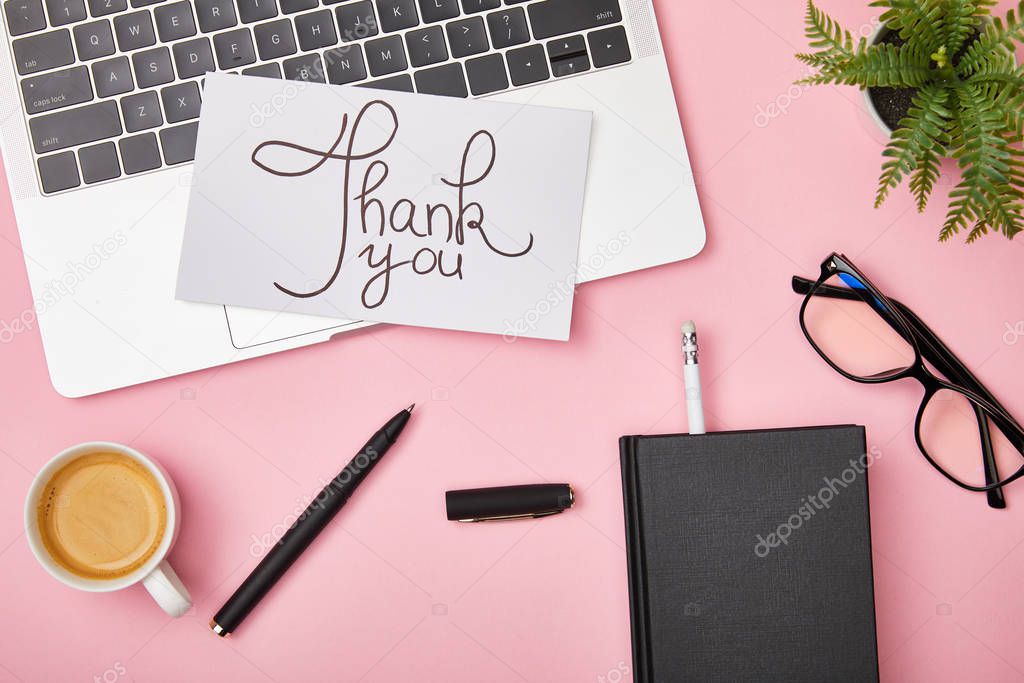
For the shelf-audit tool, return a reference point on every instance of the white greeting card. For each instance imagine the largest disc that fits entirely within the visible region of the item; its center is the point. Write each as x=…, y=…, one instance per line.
x=393, y=207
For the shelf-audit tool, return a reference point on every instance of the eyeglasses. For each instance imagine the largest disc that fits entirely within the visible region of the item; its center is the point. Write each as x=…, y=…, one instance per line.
x=960, y=428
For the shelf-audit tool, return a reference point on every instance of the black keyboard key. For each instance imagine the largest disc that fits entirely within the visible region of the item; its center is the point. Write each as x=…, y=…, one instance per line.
x=508, y=28
x=442, y=80
x=396, y=15
x=467, y=37
x=315, y=30
x=570, y=66
x=59, y=172
x=568, y=56
x=556, y=17
x=153, y=67
x=292, y=6
x=271, y=70
x=234, y=49
x=70, y=127
x=99, y=162
x=43, y=51
x=139, y=153
x=24, y=16
x=356, y=20
x=304, y=68
x=256, y=10
x=99, y=8
x=471, y=6
x=400, y=83
x=134, y=31
x=566, y=47
x=112, y=76
x=438, y=10
x=65, y=11
x=214, y=15
x=274, y=39
x=527, y=65
x=181, y=102
x=141, y=111
x=179, y=143
x=386, y=56
x=193, y=57
x=56, y=89
x=486, y=74
x=94, y=40
x=426, y=46
x=174, y=21
x=144, y=3
x=609, y=46
x=345, y=65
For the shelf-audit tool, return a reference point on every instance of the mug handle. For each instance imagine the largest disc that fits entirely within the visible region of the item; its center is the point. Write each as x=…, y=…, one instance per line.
x=168, y=590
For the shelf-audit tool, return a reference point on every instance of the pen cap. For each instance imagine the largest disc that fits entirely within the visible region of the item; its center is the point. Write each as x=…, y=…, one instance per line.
x=503, y=502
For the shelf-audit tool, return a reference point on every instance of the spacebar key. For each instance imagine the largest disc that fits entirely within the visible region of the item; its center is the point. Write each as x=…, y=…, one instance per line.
x=558, y=17
x=74, y=126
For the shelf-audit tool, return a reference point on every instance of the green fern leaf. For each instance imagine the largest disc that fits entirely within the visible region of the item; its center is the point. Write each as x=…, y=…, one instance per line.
x=913, y=145
x=960, y=19
x=1003, y=84
x=996, y=42
x=825, y=33
x=916, y=21
x=924, y=177
x=882, y=65
x=988, y=197
x=816, y=60
x=980, y=228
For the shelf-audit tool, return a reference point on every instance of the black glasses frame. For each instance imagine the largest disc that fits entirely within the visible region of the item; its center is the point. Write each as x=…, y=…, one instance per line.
x=918, y=335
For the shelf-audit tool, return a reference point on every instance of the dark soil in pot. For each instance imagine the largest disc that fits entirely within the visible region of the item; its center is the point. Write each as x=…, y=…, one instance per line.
x=892, y=104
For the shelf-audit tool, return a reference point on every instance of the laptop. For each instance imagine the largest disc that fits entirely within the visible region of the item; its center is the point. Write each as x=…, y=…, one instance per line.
x=99, y=107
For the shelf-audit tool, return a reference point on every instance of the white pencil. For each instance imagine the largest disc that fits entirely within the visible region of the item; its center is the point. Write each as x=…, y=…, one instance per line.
x=691, y=379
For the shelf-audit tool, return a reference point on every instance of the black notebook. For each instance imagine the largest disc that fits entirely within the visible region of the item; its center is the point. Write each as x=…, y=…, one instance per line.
x=750, y=556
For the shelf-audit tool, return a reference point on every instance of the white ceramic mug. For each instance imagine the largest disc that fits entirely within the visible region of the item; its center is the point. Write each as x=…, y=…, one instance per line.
x=156, y=574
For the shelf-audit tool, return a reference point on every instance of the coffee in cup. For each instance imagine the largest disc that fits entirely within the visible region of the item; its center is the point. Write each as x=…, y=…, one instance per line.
x=101, y=516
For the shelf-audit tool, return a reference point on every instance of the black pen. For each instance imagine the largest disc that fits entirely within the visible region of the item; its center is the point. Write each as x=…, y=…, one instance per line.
x=309, y=524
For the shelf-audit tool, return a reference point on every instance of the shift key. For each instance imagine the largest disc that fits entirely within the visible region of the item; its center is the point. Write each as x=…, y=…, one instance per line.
x=72, y=127
x=558, y=17
x=56, y=89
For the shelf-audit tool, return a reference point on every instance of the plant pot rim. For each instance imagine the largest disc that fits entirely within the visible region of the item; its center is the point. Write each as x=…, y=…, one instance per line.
x=872, y=111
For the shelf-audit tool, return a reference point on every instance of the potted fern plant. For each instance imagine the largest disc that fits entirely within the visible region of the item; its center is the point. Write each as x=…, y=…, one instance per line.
x=954, y=67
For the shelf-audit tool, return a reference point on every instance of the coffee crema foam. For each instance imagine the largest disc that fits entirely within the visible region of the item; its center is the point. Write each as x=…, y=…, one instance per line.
x=102, y=516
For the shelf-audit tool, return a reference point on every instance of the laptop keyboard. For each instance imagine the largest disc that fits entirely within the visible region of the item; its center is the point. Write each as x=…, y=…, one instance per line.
x=113, y=88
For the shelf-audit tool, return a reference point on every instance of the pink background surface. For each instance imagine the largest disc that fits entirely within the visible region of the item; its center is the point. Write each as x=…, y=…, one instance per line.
x=393, y=592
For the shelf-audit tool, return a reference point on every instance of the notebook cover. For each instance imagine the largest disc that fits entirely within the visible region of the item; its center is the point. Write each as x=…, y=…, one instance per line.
x=708, y=600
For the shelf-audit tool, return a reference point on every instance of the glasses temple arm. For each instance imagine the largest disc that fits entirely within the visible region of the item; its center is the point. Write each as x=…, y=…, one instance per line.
x=939, y=355
x=932, y=348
